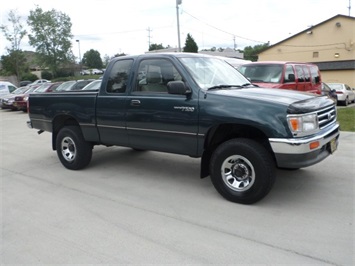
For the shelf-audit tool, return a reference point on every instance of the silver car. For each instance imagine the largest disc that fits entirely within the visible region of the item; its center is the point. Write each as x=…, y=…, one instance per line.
x=344, y=93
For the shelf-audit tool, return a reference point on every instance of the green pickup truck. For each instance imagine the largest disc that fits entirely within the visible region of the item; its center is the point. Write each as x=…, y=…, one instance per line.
x=195, y=105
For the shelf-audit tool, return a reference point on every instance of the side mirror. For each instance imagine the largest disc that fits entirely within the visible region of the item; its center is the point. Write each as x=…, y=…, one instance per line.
x=178, y=87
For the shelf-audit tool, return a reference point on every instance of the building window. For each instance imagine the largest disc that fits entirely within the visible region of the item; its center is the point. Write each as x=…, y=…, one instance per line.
x=315, y=54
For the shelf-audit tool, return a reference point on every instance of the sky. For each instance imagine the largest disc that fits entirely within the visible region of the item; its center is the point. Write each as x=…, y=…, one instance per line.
x=120, y=26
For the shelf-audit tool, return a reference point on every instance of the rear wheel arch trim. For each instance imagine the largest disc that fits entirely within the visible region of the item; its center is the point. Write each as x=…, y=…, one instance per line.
x=58, y=123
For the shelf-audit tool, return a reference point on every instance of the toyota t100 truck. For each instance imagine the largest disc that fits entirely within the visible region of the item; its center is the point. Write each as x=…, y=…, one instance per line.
x=194, y=105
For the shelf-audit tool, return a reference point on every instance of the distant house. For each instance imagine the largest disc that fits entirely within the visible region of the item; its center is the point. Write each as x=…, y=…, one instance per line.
x=329, y=44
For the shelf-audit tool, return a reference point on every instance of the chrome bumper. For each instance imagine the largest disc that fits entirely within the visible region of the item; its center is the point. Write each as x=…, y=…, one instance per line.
x=301, y=145
x=297, y=152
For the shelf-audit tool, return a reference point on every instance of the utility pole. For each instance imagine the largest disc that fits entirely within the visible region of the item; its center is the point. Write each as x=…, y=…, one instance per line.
x=349, y=7
x=81, y=65
x=178, y=2
x=149, y=30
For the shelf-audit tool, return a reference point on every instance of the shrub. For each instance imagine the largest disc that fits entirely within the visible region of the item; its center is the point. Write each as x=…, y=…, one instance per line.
x=29, y=76
x=47, y=75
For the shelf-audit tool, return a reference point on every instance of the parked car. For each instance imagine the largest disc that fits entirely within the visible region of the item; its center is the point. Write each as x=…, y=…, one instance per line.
x=6, y=87
x=20, y=102
x=284, y=75
x=65, y=85
x=39, y=81
x=74, y=85
x=93, y=86
x=344, y=93
x=24, y=83
x=7, y=101
x=85, y=72
x=96, y=71
x=48, y=87
x=331, y=93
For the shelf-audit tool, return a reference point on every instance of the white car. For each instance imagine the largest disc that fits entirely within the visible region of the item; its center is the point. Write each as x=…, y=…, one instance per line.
x=344, y=93
x=96, y=71
x=39, y=81
x=6, y=87
x=85, y=72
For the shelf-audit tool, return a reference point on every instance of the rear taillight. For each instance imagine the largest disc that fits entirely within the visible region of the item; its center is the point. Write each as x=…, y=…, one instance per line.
x=340, y=92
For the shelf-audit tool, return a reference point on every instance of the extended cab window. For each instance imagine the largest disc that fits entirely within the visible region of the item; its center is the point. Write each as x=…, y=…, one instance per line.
x=315, y=74
x=117, y=81
x=154, y=75
x=300, y=74
x=307, y=76
x=289, y=74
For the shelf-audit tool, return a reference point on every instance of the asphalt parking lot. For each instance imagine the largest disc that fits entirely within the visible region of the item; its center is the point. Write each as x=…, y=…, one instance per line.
x=152, y=208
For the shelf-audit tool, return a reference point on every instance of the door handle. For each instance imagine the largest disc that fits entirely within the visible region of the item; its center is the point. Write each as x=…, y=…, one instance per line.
x=135, y=102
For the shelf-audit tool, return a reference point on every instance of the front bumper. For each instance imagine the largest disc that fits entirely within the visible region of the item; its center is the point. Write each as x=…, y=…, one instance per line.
x=297, y=153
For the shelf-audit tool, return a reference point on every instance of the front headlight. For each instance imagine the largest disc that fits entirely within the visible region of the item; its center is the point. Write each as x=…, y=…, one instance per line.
x=25, y=98
x=303, y=124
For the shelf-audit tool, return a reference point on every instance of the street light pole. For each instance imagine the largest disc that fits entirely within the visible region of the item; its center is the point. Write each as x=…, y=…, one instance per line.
x=78, y=41
x=178, y=2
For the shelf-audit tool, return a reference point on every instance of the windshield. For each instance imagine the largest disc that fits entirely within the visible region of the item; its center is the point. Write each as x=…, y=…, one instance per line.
x=335, y=86
x=43, y=87
x=210, y=72
x=266, y=73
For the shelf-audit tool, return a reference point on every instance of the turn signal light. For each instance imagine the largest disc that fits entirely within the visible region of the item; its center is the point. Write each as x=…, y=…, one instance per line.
x=314, y=145
x=294, y=122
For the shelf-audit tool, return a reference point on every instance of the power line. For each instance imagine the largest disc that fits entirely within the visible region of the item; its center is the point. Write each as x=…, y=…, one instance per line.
x=234, y=35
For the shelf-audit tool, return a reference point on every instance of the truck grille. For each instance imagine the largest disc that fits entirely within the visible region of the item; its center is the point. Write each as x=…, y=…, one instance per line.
x=327, y=116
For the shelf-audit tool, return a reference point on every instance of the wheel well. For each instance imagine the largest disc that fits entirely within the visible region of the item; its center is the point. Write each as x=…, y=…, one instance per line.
x=225, y=132
x=58, y=123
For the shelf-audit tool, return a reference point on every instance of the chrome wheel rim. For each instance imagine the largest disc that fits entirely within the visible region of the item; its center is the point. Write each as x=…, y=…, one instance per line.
x=238, y=173
x=68, y=149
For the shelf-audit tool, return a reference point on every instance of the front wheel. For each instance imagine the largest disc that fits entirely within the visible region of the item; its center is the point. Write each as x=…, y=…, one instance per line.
x=242, y=171
x=73, y=151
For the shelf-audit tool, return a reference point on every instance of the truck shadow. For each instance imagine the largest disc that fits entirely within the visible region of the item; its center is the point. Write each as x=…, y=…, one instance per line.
x=182, y=171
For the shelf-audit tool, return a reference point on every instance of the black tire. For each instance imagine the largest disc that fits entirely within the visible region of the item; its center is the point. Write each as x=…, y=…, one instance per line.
x=346, y=102
x=242, y=171
x=73, y=151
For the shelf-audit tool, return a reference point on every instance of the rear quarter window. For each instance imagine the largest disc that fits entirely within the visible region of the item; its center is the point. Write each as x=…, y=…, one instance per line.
x=315, y=75
x=118, y=78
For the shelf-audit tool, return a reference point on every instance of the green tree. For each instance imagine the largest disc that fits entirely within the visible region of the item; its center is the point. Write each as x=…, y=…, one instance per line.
x=190, y=45
x=51, y=37
x=251, y=53
x=106, y=60
x=119, y=54
x=92, y=59
x=14, y=63
x=155, y=46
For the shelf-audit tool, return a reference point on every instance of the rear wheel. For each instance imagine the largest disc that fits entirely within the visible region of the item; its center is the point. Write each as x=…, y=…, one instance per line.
x=73, y=151
x=346, y=102
x=242, y=171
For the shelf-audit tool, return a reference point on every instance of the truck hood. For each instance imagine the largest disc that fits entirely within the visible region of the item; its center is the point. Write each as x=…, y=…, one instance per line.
x=297, y=102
